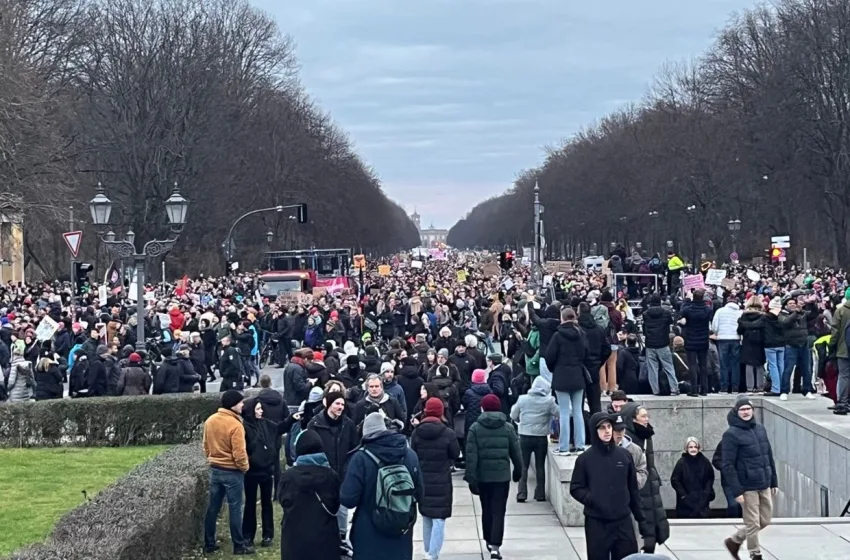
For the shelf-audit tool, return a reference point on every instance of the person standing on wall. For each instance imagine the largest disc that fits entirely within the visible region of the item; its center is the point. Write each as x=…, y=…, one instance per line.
x=603, y=475
x=750, y=474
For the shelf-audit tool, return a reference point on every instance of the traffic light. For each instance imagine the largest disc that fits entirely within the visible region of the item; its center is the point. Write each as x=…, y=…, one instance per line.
x=506, y=259
x=81, y=277
x=775, y=253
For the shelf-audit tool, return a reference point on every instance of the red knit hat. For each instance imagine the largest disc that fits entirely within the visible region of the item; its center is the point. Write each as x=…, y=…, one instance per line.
x=479, y=376
x=491, y=403
x=135, y=358
x=434, y=408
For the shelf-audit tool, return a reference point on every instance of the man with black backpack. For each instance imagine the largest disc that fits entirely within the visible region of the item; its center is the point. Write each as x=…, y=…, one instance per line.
x=384, y=482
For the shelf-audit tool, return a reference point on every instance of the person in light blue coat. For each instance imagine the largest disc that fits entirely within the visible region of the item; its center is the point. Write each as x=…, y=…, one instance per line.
x=534, y=411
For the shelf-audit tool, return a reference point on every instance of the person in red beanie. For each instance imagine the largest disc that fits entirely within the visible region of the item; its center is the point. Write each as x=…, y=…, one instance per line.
x=492, y=446
x=133, y=379
x=437, y=447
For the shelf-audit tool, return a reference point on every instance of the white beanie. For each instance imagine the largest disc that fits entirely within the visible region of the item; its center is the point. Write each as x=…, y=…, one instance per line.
x=387, y=366
x=775, y=304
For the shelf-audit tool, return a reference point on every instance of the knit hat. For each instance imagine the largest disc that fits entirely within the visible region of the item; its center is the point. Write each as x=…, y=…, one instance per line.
x=491, y=403
x=308, y=442
x=135, y=358
x=434, y=408
x=743, y=400
x=352, y=361
x=678, y=341
x=776, y=304
x=443, y=352
x=373, y=425
x=479, y=376
x=101, y=350
x=387, y=366
x=315, y=395
x=331, y=397
x=231, y=398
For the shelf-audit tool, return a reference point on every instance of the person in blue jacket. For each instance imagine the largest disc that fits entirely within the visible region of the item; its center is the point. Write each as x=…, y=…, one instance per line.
x=360, y=487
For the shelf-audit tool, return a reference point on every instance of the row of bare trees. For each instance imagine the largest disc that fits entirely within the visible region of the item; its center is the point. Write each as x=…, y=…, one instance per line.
x=757, y=130
x=140, y=94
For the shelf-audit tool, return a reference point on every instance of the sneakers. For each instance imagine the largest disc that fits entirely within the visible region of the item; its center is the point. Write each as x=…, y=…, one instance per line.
x=733, y=548
x=783, y=397
x=811, y=396
x=267, y=542
x=756, y=556
x=245, y=551
x=211, y=549
x=521, y=498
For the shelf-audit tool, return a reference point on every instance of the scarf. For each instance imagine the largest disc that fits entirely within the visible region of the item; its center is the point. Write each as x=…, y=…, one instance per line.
x=317, y=459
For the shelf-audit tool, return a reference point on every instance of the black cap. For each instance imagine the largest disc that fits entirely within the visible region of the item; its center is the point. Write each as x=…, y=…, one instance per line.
x=598, y=419
x=617, y=421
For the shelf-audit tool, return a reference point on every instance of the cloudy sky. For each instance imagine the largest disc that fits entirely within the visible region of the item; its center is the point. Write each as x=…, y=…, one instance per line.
x=449, y=99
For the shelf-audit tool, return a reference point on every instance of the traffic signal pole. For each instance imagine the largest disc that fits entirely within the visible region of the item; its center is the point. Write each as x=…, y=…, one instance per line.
x=536, y=264
x=73, y=268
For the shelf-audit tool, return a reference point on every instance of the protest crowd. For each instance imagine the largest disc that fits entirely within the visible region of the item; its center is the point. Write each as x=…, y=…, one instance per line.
x=450, y=366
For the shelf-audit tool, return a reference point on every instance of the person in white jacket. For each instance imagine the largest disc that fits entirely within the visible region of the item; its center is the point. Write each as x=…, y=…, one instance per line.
x=724, y=327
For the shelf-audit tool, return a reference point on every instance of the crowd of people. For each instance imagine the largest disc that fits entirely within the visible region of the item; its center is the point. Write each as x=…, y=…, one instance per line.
x=439, y=367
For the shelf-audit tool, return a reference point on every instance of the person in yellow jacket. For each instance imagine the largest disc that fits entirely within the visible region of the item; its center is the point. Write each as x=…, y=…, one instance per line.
x=224, y=448
x=674, y=272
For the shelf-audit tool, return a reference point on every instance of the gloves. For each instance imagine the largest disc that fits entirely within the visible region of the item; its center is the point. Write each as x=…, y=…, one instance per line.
x=516, y=476
x=473, y=487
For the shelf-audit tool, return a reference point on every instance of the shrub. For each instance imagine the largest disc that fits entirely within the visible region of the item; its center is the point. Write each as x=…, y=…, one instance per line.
x=154, y=513
x=117, y=421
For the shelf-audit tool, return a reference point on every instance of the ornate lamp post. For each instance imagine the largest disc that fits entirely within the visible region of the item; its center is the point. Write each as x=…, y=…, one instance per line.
x=176, y=208
x=734, y=229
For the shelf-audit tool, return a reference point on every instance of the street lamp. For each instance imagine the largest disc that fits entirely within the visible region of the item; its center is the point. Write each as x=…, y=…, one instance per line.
x=692, y=212
x=734, y=228
x=653, y=214
x=269, y=237
x=176, y=209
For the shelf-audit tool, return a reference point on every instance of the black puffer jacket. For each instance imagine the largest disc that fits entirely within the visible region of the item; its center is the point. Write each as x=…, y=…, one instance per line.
x=774, y=334
x=796, y=328
x=48, y=381
x=598, y=347
x=747, y=456
x=697, y=317
x=751, y=328
x=656, y=326
x=437, y=449
x=472, y=403
x=547, y=325
x=565, y=357
x=411, y=382
x=693, y=481
x=650, y=495
x=339, y=439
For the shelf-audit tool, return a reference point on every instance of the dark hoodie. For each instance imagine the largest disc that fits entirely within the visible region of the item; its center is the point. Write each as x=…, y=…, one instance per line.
x=604, y=477
x=598, y=347
x=751, y=328
x=565, y=357
x=260, y=437
x=547, y=325
x=410, y=381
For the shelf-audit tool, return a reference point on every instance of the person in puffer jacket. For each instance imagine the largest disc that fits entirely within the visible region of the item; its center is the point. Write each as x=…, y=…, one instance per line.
x=472, y=398
x=392, y=388
x=533, y=412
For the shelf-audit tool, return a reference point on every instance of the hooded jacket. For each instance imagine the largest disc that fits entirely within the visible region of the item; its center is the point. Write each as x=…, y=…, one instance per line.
x=437, y=448
x=697, y=316
x=751, y=329
x=260, y=438
x=309, y=495
x=725, y=323
x=656, y=326
x=747, y=456
x=547, y=325
x=491, y=446
x=534, y=410
x=605, y=481
x=565, y=357
x=472, y=403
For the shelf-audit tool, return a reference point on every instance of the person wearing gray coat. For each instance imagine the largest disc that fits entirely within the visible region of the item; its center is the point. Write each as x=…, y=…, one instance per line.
x=534, y=412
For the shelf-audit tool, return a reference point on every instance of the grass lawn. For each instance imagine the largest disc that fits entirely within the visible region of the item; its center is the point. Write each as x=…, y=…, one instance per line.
x=38, y=486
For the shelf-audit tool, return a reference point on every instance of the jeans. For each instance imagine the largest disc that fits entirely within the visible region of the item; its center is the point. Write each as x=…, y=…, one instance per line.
x=249, y=518
x=433, y=533
x=801, y=358
x=488, y=343
x=223, y=484
x=342, y=521
x=663, y=356
x=536, y=445
x=570, y=405
x=755, y=378
x=544, y=371
x=729, y=352
x=775, y=366
x=843, y=388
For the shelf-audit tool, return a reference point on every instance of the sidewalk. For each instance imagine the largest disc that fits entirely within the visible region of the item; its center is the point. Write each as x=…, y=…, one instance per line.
x=533, y=532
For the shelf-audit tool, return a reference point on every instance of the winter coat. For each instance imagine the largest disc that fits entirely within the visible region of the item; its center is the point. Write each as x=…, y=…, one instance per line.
x=21, y=384
x=465, y=365
x=359, y=489
x=547, y=325
x=598, y=346
x=388, y=405
x=751, y=329
x=296, y=388
x=393, y=389
x=747, y=457
x=697, y=317
x=309, y=495
x=113, y=372
x=650, y=495
x=796, y=330
x=437, y=448
x=774, y=334
x=534, y=410
x=411, y=383
x=472, y=403
x=499, y=381
x=48, y=381
x=339, y=438
x=491, y=446
x=693, y=481
x=134, y=381
x=725, y=322
x=838, y=326
x=96, y=377
x=260, y=438
x=656, y=326
x=565, y=357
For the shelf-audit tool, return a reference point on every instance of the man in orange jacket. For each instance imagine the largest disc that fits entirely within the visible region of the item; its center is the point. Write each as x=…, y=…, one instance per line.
x=224, y=448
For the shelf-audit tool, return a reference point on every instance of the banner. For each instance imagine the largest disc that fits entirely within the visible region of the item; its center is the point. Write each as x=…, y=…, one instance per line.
x=384, y=270
x=112, y=280
x=715, y=276
x=693, y=282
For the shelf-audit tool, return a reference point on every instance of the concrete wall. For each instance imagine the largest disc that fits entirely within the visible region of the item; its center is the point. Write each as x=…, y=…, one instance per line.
x=810, y=450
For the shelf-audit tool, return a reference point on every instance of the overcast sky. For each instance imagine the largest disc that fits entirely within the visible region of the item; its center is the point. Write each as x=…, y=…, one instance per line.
x=449, y=99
